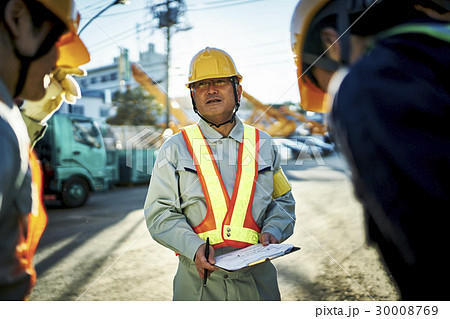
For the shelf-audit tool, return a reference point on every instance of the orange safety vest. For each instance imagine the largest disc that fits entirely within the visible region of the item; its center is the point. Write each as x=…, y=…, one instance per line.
x=37, y=220
x=228, y=222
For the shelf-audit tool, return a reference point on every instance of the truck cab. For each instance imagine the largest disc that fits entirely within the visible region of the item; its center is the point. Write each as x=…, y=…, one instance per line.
x=74, y=159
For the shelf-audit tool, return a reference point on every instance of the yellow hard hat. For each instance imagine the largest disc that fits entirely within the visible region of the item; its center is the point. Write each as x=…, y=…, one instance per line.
x=312, y=97
x=211, y=63
x=311, y=15
x=72, y=51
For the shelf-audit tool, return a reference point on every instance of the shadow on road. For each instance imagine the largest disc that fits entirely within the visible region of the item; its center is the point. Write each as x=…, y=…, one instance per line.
x=96, y=262
x=78, y=225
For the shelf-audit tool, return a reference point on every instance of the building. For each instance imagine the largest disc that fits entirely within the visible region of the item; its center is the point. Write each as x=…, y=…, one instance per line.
x=98, y=87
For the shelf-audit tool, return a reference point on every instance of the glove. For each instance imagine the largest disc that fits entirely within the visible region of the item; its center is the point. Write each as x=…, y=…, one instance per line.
x=62, y=88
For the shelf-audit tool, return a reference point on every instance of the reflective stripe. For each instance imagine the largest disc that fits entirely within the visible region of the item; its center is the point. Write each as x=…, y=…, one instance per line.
x=214, y=236
x=207, y=170
x=227, y=222
x=36, y=223
x=239, y=233
x=37, y=218
x=437, y=30
x=247, y=174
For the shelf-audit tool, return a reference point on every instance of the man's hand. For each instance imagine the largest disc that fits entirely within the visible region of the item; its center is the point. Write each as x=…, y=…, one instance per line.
x=63, y=87
x=268, y=238
x=201, y=263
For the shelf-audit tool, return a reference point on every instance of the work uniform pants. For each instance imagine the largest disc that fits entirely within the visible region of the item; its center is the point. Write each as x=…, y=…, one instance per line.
x=253, y=283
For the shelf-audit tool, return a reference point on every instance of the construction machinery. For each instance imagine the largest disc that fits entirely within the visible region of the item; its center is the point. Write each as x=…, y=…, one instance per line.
x=155, y=90
x=279, y=122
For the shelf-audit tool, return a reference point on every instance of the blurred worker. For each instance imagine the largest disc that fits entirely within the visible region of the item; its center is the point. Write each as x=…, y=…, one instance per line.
x=32, y=33
x=222, y=180
x=390, y=116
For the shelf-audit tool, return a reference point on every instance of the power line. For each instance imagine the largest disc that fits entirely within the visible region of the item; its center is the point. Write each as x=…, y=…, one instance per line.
x=224, y=5
x=123, y=35
x=98, y=5
x=258, y=45
x=90, y=10
x=121, y=13
x=251, y=65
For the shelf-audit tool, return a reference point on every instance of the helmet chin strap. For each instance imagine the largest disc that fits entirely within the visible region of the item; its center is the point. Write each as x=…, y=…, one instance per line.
x=236, y=106
x=214, y=124
x=25, y=61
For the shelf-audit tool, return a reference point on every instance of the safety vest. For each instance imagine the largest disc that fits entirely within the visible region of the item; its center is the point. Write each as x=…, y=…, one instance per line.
x=37, y=221
x=228, y=222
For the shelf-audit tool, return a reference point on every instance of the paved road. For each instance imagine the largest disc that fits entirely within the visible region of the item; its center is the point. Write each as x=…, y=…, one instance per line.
x=103, y=251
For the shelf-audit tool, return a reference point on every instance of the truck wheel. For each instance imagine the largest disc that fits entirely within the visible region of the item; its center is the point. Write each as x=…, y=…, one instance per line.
x=75, y=192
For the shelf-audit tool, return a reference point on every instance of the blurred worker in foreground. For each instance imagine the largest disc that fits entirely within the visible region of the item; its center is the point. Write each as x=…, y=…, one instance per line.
x=33, y=33
x=390, y=118
x=222, y=180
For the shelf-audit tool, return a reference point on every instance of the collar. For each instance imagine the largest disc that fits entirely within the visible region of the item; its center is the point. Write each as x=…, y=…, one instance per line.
x=237, y=133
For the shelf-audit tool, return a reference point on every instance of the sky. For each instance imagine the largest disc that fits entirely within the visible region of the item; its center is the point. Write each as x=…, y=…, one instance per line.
x=256, y=33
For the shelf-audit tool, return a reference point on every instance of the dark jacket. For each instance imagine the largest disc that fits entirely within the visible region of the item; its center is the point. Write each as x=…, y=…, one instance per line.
x=391, y=118
x=15, y=204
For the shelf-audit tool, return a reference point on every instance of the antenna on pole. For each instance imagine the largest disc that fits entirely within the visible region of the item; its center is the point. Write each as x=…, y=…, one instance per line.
x=168, y=13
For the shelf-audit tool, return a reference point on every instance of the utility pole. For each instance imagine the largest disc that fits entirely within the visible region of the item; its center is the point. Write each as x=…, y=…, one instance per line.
x=167, y=76
x=168, y=13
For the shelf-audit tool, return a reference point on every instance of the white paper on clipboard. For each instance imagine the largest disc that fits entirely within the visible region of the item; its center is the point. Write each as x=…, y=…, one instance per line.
x=250, y=255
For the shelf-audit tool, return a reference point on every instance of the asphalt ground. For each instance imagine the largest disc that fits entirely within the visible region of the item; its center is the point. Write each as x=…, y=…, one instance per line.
x=103, y=251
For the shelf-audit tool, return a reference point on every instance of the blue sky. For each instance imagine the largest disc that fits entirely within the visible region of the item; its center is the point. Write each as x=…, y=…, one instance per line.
x=256, y=33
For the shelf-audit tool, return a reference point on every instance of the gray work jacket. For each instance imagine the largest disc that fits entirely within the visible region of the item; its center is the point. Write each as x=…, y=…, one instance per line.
x=175, y=202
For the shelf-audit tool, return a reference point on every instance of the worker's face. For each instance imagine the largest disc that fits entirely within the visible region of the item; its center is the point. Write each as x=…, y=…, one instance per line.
x=34, y=88
x=332, y=49
x=34, y=85
x=214, y=98
x=322, y=77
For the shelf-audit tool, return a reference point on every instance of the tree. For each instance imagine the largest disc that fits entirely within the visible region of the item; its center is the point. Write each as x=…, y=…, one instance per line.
x=134, y=107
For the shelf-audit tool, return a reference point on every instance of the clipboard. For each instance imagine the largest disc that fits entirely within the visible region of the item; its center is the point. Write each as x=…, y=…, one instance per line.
x=252, y=255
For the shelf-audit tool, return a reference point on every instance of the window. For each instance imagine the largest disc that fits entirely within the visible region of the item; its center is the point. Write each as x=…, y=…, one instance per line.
x=113, y=76
x=86, y=132
x=93, y=80
x=104, y=112
x=76, y=109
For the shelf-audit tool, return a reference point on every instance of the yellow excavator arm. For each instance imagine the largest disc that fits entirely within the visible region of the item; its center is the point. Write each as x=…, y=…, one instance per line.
x=157, y=92
x=276, y=122
x=269, y=119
